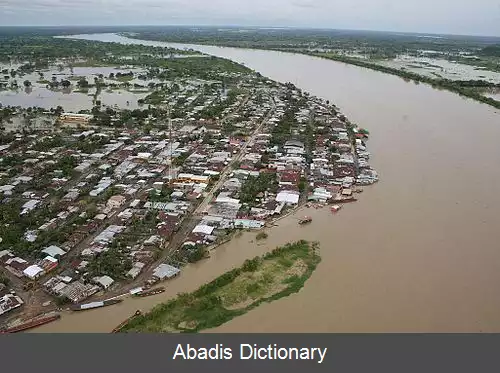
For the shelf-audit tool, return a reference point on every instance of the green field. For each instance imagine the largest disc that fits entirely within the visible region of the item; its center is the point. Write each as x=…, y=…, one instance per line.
x=277, y=274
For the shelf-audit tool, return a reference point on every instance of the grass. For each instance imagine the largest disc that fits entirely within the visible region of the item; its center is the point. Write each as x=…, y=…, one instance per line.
x=277, y=274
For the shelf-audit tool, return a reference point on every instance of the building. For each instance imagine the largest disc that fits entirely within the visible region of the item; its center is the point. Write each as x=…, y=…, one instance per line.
x=72, y=118
x=16, y=266
x=9, y=302
x=288, y=197
x=33, y=272
x=115, y=202
x=104, y=281
x=248, y=224
x=54, y=251
x=136, y=270
x=165, y=271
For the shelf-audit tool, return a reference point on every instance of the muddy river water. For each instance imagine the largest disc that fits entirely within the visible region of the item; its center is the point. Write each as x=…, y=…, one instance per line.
x=419, y=251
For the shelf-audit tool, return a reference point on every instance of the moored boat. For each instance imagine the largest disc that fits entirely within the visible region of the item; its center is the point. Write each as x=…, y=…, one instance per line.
x=345, y=200
x=336, y=208
x=32, y=323
x=147, y=293
x=125, y=322
x=92, y=305
x=305, y=220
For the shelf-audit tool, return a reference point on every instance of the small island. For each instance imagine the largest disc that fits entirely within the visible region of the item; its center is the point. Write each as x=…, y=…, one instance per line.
x=277, y=274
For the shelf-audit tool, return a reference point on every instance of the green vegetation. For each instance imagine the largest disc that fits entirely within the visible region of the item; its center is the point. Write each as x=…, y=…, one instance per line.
x=162, y=195
x=466, y=88
x=277, y=274
x=482, y=52
x=491, y=50
x=255, y=185
x=4, y=280
x=113, y=263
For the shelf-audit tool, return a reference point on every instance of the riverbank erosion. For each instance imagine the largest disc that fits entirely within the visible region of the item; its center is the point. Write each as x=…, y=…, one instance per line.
x=277, y=274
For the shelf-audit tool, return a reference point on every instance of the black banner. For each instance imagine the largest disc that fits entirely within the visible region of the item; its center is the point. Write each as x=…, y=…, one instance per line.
x=343, y=353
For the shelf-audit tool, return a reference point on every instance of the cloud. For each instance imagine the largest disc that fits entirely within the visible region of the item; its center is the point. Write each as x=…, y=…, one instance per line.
x=441, y=16
x=311, y=4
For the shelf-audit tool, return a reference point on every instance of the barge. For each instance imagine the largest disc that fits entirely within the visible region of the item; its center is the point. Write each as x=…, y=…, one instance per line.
x=32, y=323
x=93, y=305
x=120, y=327
x=149, y=292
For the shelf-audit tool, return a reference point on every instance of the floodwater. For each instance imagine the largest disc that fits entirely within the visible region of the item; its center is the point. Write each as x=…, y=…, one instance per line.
x=444, y=68
x=417, y=253
x=39, y=95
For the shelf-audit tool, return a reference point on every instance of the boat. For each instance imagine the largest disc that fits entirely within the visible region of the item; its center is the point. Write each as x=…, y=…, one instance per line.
x=336, y=208
x=345, y=200
x=147, y=293
x=92, y=305
x=32, y=323
x=305, y=220
x=125, y=322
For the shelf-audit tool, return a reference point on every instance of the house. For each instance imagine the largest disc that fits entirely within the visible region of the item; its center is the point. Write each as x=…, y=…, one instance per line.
x=5, y=255
x=115, y=202
x=16, y=266
x=48, y=264
x=204, y=229
x=104, y=281
x=165, y=271
x=72, y=118
x=137, y=267
x=54, y=251
x=9, y=302
x=33, y=272
x=29, y=206
x=288, y=197
x=78, y=291
x=248, y=224
x=294, y=147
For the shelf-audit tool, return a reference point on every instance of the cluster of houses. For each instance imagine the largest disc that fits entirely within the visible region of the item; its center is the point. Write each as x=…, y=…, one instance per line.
x=141, y=188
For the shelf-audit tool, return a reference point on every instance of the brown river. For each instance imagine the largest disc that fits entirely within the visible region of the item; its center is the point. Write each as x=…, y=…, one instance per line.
x=419, y=251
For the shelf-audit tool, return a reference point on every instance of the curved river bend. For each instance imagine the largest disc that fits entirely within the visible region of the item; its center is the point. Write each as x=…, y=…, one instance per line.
x=420, y=251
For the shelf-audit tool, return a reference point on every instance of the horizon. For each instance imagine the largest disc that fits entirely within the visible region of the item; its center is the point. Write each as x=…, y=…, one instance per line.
x=399, y=32
x=444, y=17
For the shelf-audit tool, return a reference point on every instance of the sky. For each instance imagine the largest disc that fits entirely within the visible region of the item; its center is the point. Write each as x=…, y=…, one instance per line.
x=465, y=17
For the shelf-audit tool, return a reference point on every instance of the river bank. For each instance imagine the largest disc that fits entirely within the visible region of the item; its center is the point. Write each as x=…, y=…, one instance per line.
x=462, y=88
x=417, y=253
x=279, y=273
x=222, y=259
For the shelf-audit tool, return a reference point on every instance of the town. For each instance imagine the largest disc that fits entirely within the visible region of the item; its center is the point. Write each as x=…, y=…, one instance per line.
x=105, y=202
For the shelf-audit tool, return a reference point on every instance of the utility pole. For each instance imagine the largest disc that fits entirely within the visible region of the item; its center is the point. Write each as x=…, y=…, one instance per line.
x=171, y=141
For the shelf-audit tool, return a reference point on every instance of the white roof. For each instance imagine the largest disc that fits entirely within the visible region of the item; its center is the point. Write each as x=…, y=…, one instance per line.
x=202, y=228
x=32, y=271
x=165, y=270
x=53, y=251
x=105, y=281
x=288, y=197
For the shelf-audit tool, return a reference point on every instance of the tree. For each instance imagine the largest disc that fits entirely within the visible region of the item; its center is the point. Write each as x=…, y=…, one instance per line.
x=65, y=83
x=4, y=280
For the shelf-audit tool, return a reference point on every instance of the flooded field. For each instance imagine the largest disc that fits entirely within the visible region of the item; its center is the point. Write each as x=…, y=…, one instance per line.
x=72, y=98
x=434, y=68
